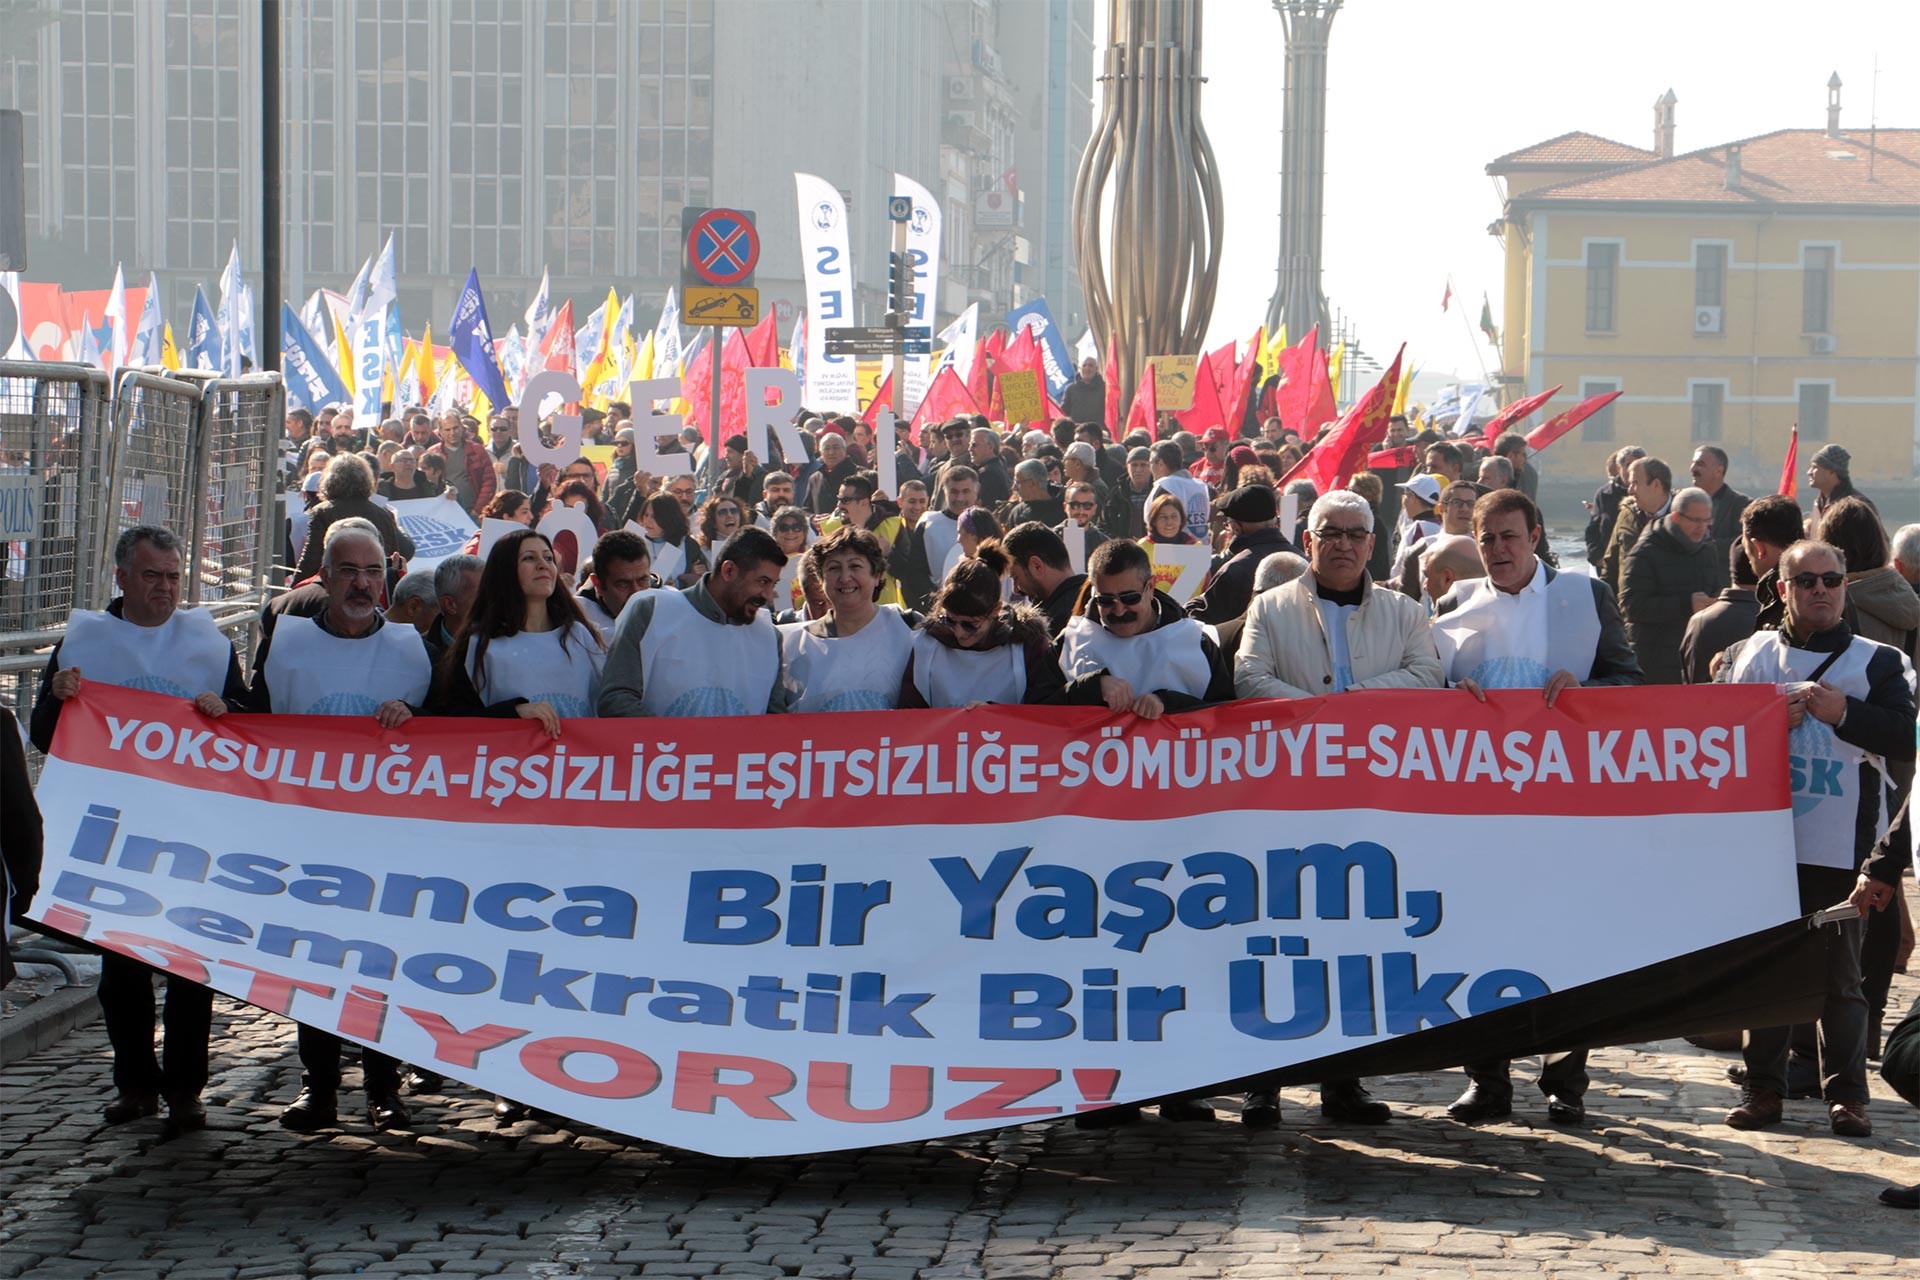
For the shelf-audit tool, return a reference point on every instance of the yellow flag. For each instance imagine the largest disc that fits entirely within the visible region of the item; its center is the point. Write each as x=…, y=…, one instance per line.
x=1275, y=346
x=1405, y=388
x=343, y=355
x=596, y=372
x=429, y=376
x=169, y=354
x=1334, y=361
x=643, y=363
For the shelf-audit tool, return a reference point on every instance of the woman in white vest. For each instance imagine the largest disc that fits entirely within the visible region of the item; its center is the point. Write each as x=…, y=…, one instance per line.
x=526, y=650
x=678, y=560
x=975, y=648
x=1130, y=648
x=855, y=657
x=1850, y=706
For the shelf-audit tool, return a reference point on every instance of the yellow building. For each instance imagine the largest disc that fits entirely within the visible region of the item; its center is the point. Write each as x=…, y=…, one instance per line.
x=1730, y=292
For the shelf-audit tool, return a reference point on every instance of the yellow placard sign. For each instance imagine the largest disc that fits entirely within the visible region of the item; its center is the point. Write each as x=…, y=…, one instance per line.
x=713, y=305
x=1173, y=381
x=1020, y=393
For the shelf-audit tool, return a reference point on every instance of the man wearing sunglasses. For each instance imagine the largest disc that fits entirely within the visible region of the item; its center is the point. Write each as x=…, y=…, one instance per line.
x=1133, y=649
x=1850, y=703
x=1331, y=631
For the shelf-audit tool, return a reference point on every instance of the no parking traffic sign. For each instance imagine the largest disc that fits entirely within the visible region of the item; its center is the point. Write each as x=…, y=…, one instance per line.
x=722, y=247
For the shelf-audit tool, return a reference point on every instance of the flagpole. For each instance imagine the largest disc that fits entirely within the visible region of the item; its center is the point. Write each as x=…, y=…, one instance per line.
x=1482, y=360
x=271, y=286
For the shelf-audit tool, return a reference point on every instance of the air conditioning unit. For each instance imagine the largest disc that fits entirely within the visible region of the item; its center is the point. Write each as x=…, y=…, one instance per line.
x=959, y=88
x=1822, y=344
x=1706, y=319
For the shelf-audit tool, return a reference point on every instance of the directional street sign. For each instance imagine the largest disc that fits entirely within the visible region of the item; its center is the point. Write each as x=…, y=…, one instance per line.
x=859, y=349
x=879, y=333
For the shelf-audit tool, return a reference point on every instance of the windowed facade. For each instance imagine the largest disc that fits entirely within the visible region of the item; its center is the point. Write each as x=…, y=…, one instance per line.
x=1816, y=402
x=1709, y=275
x=95, y=168
x=486, y=140
x=1603, y=276
x=1600, y=425
x=1709, y=406
x=673, y=117
x=1816, y=288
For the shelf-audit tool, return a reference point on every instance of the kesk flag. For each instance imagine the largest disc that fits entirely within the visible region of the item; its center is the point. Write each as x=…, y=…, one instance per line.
x=540, y=315
x=236, y=317
x=311, y=380
x=650, y=971
x=471, y=339
x=831, y=381
x=959, y=340
x=1558, y=425
x=369, y=360
x=117, y=320
x=1056, y=368
x=1790, y=466
x=1513, y=414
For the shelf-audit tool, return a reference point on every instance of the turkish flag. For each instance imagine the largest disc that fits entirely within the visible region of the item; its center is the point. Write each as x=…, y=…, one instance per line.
x=1558, y=425
x=1516, y=412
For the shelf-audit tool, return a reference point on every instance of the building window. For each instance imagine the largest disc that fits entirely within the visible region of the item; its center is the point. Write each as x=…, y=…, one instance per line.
x=1709, y=275
x=1816, y=289
x=1709, y=401
x=1600, y=425
x=1603, y=267
x=1816, y=398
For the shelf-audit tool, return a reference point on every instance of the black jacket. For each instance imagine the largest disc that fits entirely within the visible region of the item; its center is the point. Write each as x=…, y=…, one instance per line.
x=20, y=838
x=1658, y=581
x=1050, y=510
x=1085, y=401
x=1726, y=621
x=1058, y=606
x=1084, y=691
x=1606, y=510
x=1727, y=506
x=822, y=493
x=1230, y=590
x=1126, y=513
x=1019, y=624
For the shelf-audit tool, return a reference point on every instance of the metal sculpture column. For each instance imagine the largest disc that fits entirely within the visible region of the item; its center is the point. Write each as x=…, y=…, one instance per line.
x=1149, y=263
x=1297, y=300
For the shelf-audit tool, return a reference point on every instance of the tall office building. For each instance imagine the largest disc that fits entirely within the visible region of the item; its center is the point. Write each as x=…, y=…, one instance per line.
x=517, y=135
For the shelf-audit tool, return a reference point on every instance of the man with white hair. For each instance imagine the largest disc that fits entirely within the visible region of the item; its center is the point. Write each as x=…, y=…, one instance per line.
x=1906, y=554
x=1035, y=499
x=1670, y=574
x=414, y=603
x=1333, y=631
x=346, y=661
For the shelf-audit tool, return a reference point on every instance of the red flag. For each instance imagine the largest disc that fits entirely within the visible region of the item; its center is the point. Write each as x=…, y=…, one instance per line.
x=882, y=399
x=1023, y=355
x=1515, y=412
x=980, y=380
x=1405, y=456
x=1144, y=413
x=1790, y=466
x=1305, y=400
x=946, y=397
x=556, y=349
x=696, y=384
x=1332, y=462
x=1205, y=411
x=1112, y=376
x=763, y=345
x=1555, y=427
x=1239, y=390
x=1446, y=297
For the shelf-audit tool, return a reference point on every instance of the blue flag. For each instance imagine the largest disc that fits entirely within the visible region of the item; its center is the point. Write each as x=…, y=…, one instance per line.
x=471, y=338
x=205, y=350
x=1053, y=348
x=312, y=382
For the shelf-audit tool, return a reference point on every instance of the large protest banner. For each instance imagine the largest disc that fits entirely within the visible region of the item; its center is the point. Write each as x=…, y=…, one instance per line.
x=828, y=931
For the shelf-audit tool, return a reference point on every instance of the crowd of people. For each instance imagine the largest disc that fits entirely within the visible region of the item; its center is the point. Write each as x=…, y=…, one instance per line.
x=1021, y=566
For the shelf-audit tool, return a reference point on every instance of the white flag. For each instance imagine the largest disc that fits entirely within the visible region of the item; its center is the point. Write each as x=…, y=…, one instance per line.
x=117, y=320
x=149, y=336
x=832, y=381
x=923, y=246
x=383, y=286
x=959, y=341
x=667, y=350
x=539, y=314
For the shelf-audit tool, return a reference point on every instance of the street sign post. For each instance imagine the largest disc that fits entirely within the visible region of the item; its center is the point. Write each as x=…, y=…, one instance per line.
x=900, y=294
x=721, y=249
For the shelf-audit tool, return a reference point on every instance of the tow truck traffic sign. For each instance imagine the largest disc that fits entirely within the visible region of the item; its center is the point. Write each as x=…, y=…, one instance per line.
x=721, y=249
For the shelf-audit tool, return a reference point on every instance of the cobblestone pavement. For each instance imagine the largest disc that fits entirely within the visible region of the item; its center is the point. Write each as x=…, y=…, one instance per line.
x=1654, y=1186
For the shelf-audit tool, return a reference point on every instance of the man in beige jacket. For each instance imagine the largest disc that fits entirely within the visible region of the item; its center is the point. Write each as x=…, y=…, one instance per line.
x=1331, y=631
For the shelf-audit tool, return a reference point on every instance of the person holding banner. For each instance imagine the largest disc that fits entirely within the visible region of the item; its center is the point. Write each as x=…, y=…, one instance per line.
x=1526, y=626
x=346, y=661
x=145, y=640
x=1131, y=648
x=622, y=568
x=346, y=491
x=855, y=658
x=526, y=649
x=975, y=648
x=709, y=649
x=1850, y=702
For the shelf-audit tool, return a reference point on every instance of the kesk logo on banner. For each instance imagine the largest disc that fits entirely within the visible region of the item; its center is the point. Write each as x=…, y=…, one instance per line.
x=438, y=526
x=817, y=932
x=828, y=267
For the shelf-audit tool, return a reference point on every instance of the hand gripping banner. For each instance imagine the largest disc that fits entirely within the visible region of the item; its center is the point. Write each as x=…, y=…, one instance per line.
x=808, y=933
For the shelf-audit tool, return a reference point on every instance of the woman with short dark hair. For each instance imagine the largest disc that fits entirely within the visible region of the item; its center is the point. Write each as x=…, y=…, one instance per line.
x=975, y=648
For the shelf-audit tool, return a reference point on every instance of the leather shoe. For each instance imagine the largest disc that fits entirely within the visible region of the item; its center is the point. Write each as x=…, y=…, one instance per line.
x=418, y=1081
x=1849, y=1120
x=1481, y=1103
x=1348, y=1102
x=1758, y=1109
x=1107, y=1117
x=1798, y=1085
x=131, y=1106
x=314, y=1110
x=1901, y=1197
x=386, y=1111
x=506, y=1110
x=1261, y=1110
x=184, y=1115
x=1185, y=1109
x=1562, y=1109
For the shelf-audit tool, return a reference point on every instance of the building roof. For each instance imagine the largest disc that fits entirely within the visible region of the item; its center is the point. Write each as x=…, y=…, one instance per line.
x=1570, y=150
x=1787, y=168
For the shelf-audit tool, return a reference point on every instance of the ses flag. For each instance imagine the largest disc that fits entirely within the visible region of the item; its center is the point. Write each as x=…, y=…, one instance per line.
x=804, y=933
x=832, y=381
x=471, y=338
x=312, y=382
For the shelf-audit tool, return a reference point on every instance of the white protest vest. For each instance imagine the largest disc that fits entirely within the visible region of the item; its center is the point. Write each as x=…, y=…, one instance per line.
x=1481, y=640
x=694, y=667
x=535, y=666
x=602, y=621
x=1168, y=657
x=860, y=672
x=311, y=673
x=949, y=677
x=941, y=533
x=1825, y=771
x=185, y=656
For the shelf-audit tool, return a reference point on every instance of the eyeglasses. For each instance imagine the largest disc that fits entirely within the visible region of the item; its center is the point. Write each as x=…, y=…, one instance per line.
x=1806, y=581
x=1331, y=533
x=851, y=497
x=1124, y=599
x=966, y=625
x=1079, y=506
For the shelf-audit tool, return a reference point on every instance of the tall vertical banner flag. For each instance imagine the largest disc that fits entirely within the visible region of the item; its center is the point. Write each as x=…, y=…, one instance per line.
x=204, y=347
x=1790, y=466
x=369, y=353
x=667, y=351
x=311, y=380
x=1058, y=361
x=148, y=335
x=923, y=247
x=471, y=338
x=236, y=316
x=832, y=381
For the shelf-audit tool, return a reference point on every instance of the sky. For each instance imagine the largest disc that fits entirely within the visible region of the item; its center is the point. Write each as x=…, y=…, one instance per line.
x=1422, y=94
